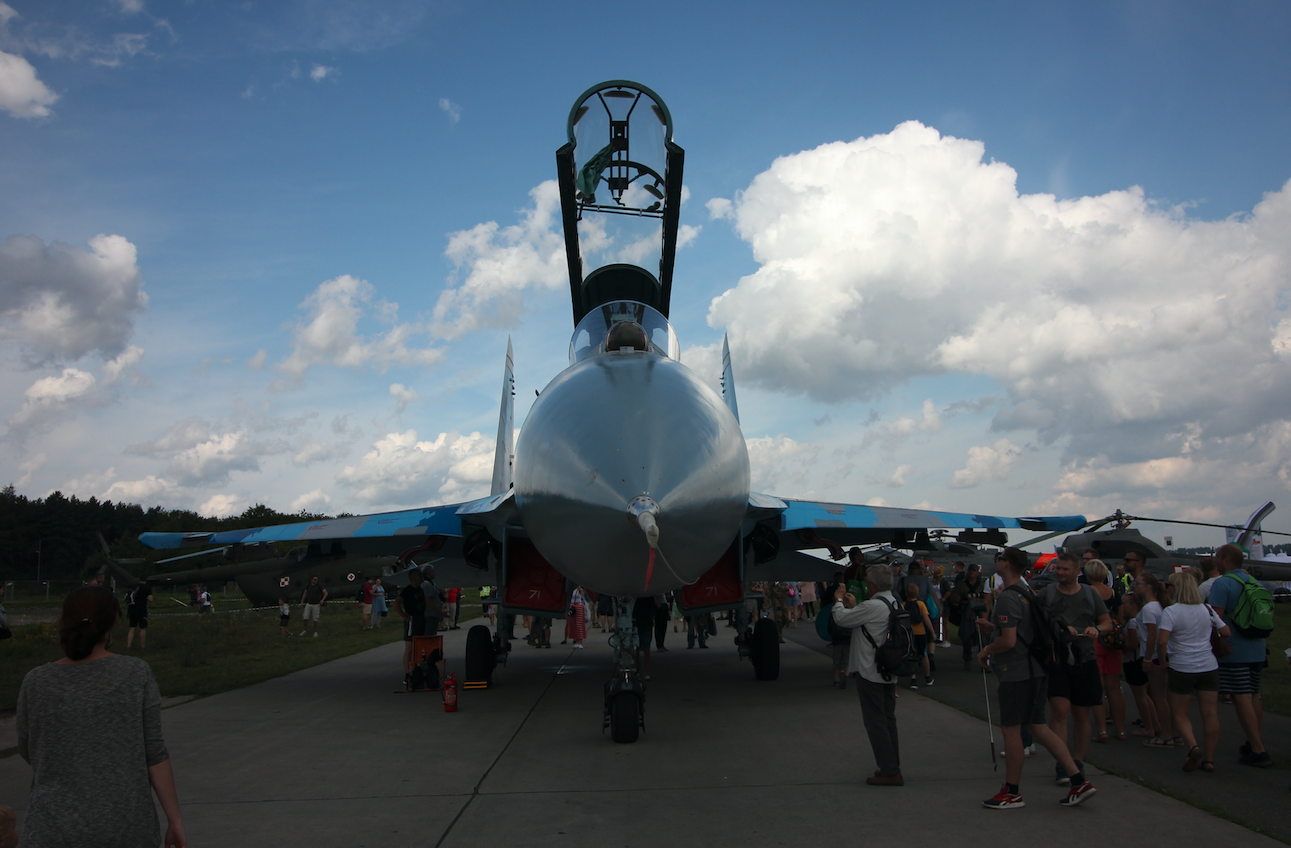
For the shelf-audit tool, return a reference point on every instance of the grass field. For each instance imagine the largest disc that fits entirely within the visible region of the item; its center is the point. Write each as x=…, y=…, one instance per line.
x=203, y=655
x=1276, y=686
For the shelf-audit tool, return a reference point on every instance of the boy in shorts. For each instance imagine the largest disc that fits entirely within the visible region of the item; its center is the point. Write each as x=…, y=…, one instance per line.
x=1023, y=692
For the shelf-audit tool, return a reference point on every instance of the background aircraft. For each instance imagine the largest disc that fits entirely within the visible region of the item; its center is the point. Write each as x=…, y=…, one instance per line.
x=262, y=573
x=630, y=475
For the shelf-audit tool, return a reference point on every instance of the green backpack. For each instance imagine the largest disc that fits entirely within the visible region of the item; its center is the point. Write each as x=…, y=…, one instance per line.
x=1252, y=615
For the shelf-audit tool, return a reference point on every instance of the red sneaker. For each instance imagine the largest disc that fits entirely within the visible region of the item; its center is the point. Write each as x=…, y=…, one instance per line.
x=1078, y=794
x=1004, y=800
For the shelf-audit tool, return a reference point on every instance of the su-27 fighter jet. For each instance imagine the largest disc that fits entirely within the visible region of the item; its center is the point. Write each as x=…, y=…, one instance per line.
x=630, y=475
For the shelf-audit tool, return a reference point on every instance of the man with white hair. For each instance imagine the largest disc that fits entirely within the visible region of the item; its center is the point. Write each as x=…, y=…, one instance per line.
x=878, y=696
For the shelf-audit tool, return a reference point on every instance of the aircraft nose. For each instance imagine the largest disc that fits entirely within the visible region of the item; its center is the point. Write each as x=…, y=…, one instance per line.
x=625, y=426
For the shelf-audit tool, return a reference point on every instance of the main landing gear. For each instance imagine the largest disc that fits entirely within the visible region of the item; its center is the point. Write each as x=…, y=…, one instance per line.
x=624, y=692
x=760, y=643
x=484, y=653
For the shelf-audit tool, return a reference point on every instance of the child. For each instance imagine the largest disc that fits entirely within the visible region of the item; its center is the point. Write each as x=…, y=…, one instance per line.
x=284, y=616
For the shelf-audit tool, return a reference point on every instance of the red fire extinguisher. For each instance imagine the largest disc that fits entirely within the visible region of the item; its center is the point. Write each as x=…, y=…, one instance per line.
x=449, y=689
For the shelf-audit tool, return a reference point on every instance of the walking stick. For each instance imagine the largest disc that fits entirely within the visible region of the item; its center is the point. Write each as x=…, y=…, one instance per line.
x=995, y=766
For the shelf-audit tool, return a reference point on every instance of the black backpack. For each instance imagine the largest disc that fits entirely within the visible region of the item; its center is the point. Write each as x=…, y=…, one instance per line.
x=898, y=648
x=838, y=634
x=1042, y=647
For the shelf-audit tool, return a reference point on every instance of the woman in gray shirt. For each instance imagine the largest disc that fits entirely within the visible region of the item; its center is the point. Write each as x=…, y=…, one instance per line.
x=90, y=726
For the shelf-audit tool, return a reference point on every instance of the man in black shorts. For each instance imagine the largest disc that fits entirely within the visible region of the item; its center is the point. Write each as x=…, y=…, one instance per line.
x=1079, y=615
x=411, y=605
x=137, y=612
x=1023, y=686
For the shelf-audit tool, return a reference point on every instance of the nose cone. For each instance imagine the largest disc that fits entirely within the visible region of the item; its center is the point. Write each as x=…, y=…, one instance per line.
x=616, y=426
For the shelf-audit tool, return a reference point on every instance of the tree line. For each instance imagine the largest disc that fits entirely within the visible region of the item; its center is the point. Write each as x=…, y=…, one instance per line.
x=61, y=533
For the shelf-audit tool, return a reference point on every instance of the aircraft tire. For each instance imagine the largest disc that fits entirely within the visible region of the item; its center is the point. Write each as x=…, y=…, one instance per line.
x=765, y=650
x=479, y=655
x=625, y=718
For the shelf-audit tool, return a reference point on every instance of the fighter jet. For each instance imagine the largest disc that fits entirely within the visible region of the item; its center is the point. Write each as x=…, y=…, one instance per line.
x=630, y=475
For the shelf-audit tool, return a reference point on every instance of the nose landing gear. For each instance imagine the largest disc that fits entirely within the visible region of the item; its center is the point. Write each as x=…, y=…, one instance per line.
x=625, y=691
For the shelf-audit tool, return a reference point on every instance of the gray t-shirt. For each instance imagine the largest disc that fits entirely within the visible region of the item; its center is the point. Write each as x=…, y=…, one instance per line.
x=1012, y=609
x=1081, y=610
x=90, y=732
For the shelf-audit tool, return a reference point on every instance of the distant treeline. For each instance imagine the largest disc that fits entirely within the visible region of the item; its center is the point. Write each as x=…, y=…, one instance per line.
x=64, y=530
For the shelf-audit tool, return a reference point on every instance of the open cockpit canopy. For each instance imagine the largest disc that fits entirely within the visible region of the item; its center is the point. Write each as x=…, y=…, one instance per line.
x=620, y=196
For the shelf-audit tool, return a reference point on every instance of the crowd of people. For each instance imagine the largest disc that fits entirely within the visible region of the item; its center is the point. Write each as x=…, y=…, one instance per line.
x=1059, y=645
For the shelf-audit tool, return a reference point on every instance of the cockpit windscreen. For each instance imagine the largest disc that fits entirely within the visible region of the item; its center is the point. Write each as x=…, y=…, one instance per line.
x=598, y=327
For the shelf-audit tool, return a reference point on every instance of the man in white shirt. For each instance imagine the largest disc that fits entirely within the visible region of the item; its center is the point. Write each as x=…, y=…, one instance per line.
x=878, y=696
x=1210, y=567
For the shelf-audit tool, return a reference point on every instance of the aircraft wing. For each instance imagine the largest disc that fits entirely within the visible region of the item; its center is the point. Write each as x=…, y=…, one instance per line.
x=427, y=521
x=786, y=528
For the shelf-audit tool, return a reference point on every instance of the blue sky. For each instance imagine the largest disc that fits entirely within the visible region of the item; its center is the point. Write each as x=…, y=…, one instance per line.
x=911, y=319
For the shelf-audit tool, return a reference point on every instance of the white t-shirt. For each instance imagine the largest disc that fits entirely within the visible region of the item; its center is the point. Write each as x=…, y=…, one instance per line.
x=1189, y=626
x=1204, y=588
x=1137, y=654
x=1149, y=615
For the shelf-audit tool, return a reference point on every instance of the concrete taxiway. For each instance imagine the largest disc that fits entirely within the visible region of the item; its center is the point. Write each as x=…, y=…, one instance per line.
x=332, y=756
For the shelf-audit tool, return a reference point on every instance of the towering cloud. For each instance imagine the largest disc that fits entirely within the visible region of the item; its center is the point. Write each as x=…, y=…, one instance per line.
x=1127, y=330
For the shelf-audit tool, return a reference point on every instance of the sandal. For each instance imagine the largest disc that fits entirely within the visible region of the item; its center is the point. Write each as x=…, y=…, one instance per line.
x=1208, y=765
x=1190, y=764
x=1141, y=732
x=1177, y=741
x=1158, y=742
x=1120, y=736
x=1101, y=738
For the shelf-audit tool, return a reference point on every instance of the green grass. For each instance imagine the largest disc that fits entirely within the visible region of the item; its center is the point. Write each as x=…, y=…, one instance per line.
x=1275, y=688
x=205, y=655
x=1200, y=803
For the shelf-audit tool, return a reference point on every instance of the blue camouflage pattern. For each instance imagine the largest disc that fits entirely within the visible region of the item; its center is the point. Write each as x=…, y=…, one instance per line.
x=427, y=521
x=803, y=515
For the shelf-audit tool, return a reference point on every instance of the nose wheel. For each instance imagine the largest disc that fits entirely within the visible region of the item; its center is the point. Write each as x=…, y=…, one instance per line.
x=625, y=691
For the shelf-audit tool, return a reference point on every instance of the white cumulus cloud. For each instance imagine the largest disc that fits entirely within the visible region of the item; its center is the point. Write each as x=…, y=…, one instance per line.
x=781, y=465
x=987, y=462
x=331, y=336
x=63, y=302
x=402, y=470
x=114, y=368
x=318, y=73
x=496, y=265
x=222, y=506
x=1115, y=327
x=403, y=395
x=137, y=491
x=200, y=453
x=49, y=395
x=22, y=94
x=314, y=501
